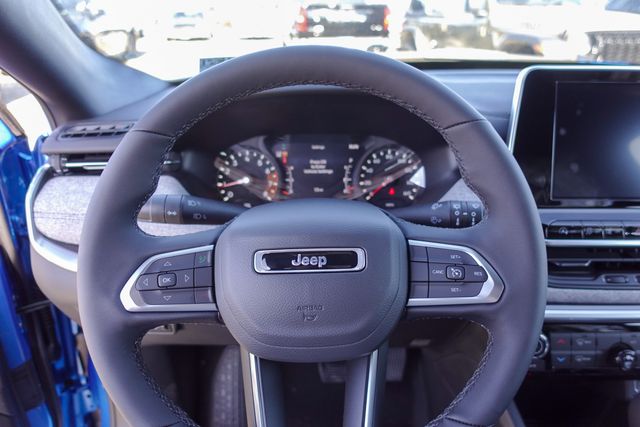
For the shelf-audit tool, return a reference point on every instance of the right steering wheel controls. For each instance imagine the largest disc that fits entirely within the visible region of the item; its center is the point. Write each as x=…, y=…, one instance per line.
x=443, y=274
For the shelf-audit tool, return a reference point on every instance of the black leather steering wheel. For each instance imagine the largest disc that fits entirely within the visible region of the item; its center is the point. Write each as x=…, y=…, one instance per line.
x=344, y=314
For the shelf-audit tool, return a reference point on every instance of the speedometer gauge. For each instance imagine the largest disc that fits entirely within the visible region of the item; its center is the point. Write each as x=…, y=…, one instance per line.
x=246, y=176
x=391, y=176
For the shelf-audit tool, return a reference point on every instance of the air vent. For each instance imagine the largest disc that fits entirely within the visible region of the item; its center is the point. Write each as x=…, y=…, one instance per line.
x=595, y=268
x=96, y=162
x=96, y=130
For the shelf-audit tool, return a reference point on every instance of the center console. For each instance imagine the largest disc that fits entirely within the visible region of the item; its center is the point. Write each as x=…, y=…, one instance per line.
x=576, y=135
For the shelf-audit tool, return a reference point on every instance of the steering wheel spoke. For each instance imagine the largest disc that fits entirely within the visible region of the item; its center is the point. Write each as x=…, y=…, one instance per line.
x=364, y=388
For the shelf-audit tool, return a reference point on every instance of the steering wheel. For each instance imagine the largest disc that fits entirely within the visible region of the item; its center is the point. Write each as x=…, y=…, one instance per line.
x=312, y=280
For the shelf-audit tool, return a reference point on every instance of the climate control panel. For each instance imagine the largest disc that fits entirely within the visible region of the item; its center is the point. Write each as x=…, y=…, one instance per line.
x=595, y=350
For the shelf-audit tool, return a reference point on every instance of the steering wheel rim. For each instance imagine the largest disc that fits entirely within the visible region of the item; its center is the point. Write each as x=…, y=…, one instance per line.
x=509, y=239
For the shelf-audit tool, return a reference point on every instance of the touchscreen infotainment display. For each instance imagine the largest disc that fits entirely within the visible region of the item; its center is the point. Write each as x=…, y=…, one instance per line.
x=596, y=143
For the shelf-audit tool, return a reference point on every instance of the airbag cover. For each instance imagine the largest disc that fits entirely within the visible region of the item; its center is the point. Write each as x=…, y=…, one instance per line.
x=311, y=316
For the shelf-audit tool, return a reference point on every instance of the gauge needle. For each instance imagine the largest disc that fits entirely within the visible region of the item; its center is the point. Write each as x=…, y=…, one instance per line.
x=242, y=181
x=378, y=188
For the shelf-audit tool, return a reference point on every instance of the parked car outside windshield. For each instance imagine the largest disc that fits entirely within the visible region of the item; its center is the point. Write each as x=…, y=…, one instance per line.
x=175, y=39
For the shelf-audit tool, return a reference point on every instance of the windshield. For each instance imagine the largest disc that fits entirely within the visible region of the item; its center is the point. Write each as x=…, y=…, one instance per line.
x=175, y=39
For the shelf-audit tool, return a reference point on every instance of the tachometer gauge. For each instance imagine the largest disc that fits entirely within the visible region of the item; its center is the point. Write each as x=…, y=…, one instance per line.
x=390, y=176
x=246, y=176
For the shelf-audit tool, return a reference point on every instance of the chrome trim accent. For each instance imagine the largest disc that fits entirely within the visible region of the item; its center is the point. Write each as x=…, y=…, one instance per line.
x=132, y=301
x=591, y=243
x=47, y=249
x=256, y=391
x=259, y=266
x=491, y=290
x=591, y=313
x=545, y=347
x=370, y=396
x=85, y=165
x=94, y=166
x=518, y=90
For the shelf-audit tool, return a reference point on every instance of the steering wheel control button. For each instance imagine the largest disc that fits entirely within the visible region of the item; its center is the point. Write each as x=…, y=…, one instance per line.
x=203, y=277
x=454, y=290
x=449, y=256
x=169, y=296
x=167, y=280
x=455, y=272
x=418, y=253
x=204, y=295
x=419, y=272
x=475, y=273
x=173, y=263
x=419, y=290
x=184, y=278
x=437, y=272
x=147, y=282
x=204, y=259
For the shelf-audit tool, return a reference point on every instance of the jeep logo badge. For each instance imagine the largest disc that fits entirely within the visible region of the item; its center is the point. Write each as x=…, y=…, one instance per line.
x=318, y=260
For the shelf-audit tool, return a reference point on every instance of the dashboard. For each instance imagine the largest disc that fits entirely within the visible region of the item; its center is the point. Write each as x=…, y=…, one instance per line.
x=580, y=162
x=291, y=166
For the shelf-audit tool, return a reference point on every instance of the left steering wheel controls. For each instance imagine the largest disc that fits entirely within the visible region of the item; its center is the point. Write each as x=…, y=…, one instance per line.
x=179, y=279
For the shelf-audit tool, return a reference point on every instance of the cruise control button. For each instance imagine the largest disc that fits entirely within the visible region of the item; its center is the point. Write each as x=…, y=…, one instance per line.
x=166, y=280
x=448, y=256
x=419, y=272
x=419, y=290
x=437, y=272
x=146, y=282
x=204, y=259
x=418, y=253
x=184, y=278
x=170, y=296
x=454, y=290
x=475, y=273
x=204, y=277
x=179, y=262
x=455, y=272
x=204, y=296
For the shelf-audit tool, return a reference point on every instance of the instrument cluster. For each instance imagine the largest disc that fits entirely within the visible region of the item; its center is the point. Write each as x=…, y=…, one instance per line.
x=271, y=168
